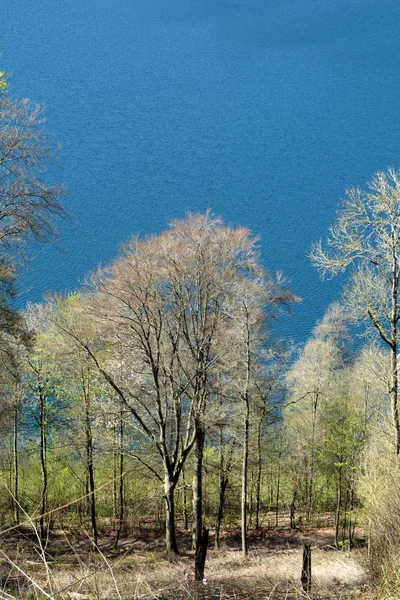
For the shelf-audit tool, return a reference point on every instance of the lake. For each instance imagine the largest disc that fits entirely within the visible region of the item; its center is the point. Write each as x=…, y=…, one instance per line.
x=264, y=111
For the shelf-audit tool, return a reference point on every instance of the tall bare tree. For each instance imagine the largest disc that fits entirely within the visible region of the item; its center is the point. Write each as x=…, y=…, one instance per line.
x=160, y=314
x=39, y=386
x=366, y=239
x=252, y=310
x=29, y=206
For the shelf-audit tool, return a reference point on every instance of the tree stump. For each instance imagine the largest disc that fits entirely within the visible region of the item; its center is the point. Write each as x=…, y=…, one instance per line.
x=306, y=569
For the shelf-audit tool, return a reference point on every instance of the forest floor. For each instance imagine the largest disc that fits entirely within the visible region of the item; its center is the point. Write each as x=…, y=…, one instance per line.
x=140, y=568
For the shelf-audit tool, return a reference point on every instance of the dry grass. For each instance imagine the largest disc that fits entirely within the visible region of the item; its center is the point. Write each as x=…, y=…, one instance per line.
x=133, y=573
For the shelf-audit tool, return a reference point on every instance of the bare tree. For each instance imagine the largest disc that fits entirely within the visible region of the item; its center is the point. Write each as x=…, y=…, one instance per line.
x=28, y=205
x=160, y=314
x=366, y=238
x=252, y=310
x=39, y=387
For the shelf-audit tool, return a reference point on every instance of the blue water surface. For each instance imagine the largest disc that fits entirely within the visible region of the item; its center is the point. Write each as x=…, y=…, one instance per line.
x=262, y=110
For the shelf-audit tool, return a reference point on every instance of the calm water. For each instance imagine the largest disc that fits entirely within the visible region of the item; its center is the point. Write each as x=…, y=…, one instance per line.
x=262, y=110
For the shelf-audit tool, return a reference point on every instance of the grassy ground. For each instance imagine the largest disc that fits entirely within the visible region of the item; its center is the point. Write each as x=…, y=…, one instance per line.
x=140, y=568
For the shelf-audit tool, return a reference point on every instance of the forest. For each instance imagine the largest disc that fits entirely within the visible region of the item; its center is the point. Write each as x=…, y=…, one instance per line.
x=160, y=440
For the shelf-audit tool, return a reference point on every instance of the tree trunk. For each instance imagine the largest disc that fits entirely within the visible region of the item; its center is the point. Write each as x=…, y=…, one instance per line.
x=43, y=459
x=338, y=508
x=278, y=485
x=306, y=569
x=315, y=399
x=198, y=487
x=244, y=478
x=170, y=531
x=250, y=500
x=200, y=558
x=350, y=524
x=344, y=520
x=259, y=472
x=184, y=502
x=393, y=346
x=115, y=475
x=394, y=393
x=90, y=468
x=16, y=467
x=121, y=482
x=246, y=400
x=278, y=491
x=293, y=510
x=223, y=484
x=224, y=470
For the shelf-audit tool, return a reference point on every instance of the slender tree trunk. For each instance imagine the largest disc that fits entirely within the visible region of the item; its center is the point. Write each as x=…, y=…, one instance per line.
x=92, y=487
x=223, y=484
x=344, y=520
x=278, y=485
x=293, y=510
x=43, y=459
x=292, y=516
x=246, y=400
x=170, y=530
x=312, y=457
x=394, y=393
x=250, y=500
x=224, y=469
x=393, y=346
x=121, y=499
x=16, y=467
x=10, y=472
x=184, y=501
x=278, y=492
x=200, y=395
x=90, y=466
x=87, y=492
x=115, y=475
x=198, y=486
x=245, y=477
x=259, y=472
x=350, y=525
x=306, y=484
x=338, y=508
